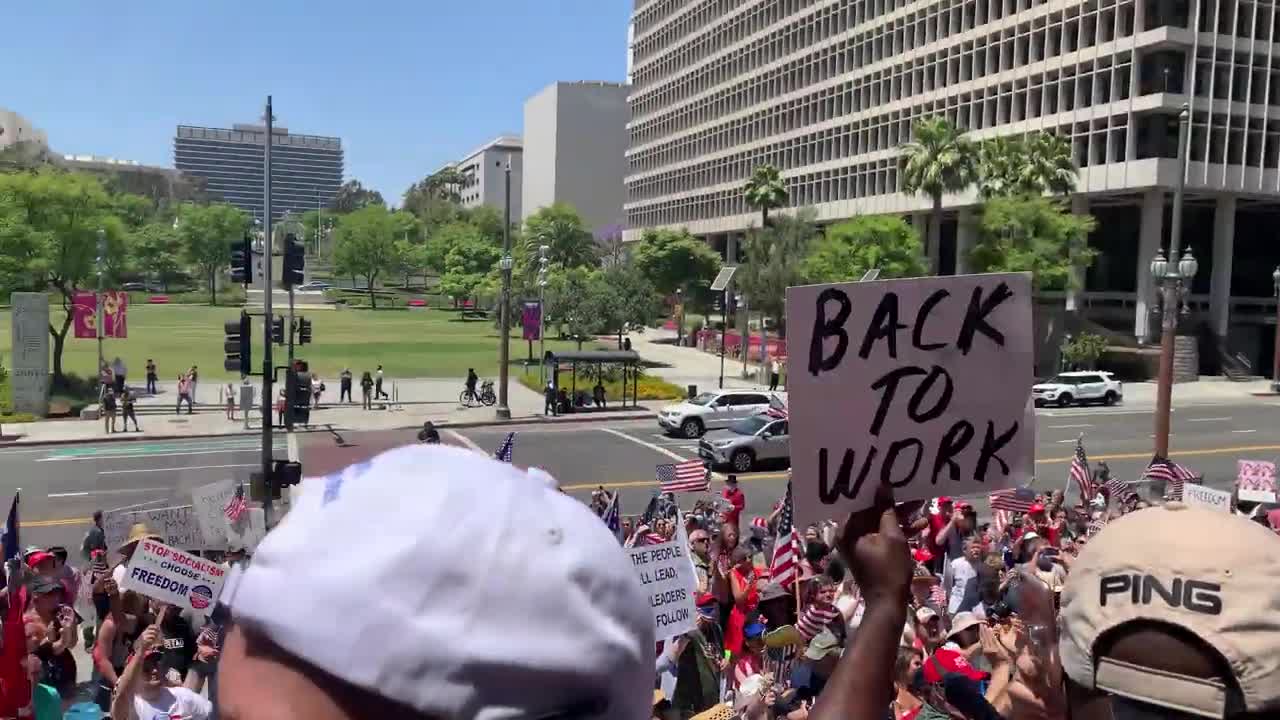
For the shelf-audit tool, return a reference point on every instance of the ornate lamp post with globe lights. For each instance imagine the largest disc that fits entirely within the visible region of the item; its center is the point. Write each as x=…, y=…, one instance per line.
x=1275, y=360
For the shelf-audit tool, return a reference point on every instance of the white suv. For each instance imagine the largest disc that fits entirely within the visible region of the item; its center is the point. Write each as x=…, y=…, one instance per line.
x=1078, y=387
x=712, y=409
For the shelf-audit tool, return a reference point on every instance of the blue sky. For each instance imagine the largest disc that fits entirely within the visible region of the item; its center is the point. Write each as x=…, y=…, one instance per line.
x=407, y=84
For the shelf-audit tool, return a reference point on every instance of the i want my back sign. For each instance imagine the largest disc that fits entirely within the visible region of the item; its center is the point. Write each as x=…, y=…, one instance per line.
x=923, y=383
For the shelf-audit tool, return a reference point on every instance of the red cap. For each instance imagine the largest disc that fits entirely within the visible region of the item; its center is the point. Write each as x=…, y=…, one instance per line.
x=962, y=505
x=944, y=500
x=1036, y=508
x=705, y=599
x=760, y=523
x=922, y=555
x=37, y=557
x=951, y=661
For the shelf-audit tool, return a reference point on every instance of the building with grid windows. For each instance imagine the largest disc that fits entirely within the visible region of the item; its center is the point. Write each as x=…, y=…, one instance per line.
x=826, y=90
x=484, y=174
x=306, y=170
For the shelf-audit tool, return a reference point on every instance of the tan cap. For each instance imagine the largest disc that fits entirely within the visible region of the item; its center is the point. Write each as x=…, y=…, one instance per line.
x=1211, y=573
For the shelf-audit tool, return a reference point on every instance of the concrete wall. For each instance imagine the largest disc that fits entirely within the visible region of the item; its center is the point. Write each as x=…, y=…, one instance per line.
x=540, y=121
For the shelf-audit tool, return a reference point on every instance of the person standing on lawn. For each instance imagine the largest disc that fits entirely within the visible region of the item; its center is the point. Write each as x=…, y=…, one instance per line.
x=378, y=393
x=152, y=377
x=194, y=375
x=130, y=413
x=184, y=393
x=344, y=386
x=366, y=391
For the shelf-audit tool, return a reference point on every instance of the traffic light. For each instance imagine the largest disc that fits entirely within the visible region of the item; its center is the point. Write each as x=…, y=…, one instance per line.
x=236, y=344
x=242, y=261
x=286, y=472
x=297, y=388
x=277, y=330
x=304, y=331
x=295, y=259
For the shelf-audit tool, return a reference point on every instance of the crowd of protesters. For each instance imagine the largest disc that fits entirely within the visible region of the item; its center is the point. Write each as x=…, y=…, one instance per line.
x=1116, y=607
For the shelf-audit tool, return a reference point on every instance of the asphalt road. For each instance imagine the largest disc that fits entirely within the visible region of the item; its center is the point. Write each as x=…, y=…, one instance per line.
x=62, y=485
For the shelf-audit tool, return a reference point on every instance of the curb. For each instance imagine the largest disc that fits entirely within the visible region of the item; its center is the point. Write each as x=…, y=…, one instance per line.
x=16, y=441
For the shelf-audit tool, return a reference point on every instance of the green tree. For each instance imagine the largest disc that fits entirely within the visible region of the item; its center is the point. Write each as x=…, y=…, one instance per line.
x=765, y=191
x=468, y=263
x=675, y=259
x=1033, y=234
x=364, y=245
x=939, y=161
x=354, y=196
x=1050, y=164
x=560, y=228
x=772, y=262
x=619, y=297
x=487, y=220
x=443, y=239
x=207, y=232
x=49, y=224
x=157, y=252
x=569, y=302
x=1032, y=165
x=849, y=249
x=434, y=199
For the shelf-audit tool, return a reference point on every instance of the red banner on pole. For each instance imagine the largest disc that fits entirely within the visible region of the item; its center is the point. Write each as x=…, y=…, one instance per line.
x=531, y=320
x=115, y=312
x=84, y=306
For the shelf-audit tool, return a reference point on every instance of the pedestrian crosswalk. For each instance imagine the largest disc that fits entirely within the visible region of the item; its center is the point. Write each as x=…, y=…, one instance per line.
x=157, y=449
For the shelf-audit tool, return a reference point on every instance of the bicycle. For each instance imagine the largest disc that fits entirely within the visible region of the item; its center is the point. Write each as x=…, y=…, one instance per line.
x=484, y=396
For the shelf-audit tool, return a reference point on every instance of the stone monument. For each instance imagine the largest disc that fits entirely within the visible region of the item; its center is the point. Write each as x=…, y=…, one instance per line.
x=29, y=374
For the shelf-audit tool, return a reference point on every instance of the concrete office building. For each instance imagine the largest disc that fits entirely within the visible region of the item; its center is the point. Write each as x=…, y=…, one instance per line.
x=575, y=144
x=483, y=170
x=826, y=90
x=306, y=170
x=15, y=128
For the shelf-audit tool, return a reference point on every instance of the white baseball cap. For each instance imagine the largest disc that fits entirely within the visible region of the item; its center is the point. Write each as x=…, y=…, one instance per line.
x=1210, y=573
x=448, y=582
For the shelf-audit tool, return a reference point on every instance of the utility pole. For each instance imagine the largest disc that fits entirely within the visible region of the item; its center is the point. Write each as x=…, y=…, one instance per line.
x=97, y=296
x=504, y=348
x=267, y=404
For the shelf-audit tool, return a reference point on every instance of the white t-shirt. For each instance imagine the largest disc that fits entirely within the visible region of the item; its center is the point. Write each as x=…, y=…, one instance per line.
x=175, y=703
x=962, y=573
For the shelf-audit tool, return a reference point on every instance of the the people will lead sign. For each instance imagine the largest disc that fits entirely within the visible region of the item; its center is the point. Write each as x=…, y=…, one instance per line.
x=923, y=383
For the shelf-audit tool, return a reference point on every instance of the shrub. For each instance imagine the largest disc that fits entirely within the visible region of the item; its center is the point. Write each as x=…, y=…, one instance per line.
x=1084, y=350
x=648, y=387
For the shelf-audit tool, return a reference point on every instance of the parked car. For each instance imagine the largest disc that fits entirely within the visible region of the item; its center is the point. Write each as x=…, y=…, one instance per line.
x=142, y=287
x=712, y=409
x=313, y=286
x=1078, y=387
x=747, y=443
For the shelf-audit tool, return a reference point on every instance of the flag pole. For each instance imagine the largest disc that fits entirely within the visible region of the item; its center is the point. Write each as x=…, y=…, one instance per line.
x=1066, y=485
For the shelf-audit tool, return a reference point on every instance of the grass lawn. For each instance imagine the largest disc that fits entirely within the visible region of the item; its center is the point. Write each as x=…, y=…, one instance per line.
x=407, y=343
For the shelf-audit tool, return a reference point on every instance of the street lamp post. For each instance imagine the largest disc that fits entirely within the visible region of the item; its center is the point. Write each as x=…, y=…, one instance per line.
x=543, y=261
x=504, y=348
x=746, y=332
x=679, y=317
x=724, y=324
x=1173, y=278
x=1275, y=360
x=97, y=297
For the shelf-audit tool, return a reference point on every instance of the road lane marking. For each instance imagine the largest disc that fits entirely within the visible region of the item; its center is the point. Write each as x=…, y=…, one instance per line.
x=1064, y=427
x=1244, y=431
x=645, y=443
x=1060, y=442
x=1209, y=419
x=125, y=491
x=1179, y=453
x=136, y=456
x=180, y=469
x=56, y=523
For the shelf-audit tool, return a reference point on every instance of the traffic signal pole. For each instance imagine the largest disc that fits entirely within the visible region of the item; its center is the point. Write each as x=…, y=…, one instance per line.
x=267, y=404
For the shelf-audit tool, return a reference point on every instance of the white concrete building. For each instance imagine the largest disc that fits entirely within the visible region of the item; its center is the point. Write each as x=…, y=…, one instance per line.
x=15, y=128
x=826, y=90
x=575, y=145
x=484, y=169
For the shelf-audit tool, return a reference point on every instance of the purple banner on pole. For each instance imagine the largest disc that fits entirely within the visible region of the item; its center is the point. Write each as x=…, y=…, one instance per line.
x=531, y=320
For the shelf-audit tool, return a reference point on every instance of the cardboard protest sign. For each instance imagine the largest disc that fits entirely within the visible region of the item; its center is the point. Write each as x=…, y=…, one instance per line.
x=923, y=383
x=209, y=503
x=172, y=576
x=248, y=531
x=177, y=525
x=666, y=572
x=1256, y=480
x=1206, y=497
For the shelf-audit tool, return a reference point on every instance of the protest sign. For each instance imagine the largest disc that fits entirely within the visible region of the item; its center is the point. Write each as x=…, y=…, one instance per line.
x=666, y=573
x=248, y=531
x=172, y=576
x=209, y=503
x=176, y=525
x=921, y=383
x=1206, y=497
x=1256, y=480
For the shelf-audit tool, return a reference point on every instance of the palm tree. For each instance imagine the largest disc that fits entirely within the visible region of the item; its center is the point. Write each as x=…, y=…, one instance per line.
x=765, y=191
x=1001, y=167
x=941, y=160
x=1048, y=164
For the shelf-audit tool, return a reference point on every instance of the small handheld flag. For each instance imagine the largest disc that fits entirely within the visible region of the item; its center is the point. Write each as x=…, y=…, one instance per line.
x=506, y=449
x=687, y=476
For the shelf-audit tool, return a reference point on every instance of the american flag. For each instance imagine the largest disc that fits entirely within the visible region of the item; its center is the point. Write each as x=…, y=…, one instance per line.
x=938, y=596
x=1006, y=503
x=786, y=554
x=1173, y=475
x=612, y=518
x=506, y=448
x=236, y=506
x=687, y=476
x=1080, y=473
x=1118, y=489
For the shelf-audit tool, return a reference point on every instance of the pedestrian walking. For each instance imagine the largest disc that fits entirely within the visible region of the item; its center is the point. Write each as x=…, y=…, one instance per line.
x=317, y=389
x=549, y=399
x=280, y=401
x=344, y=385
x=366, y=390
x=230, y=392
x=109, y=411
x=130, y=413
x=377, y=386
x=194, y=375
x=775, y=371
x=152, y=377
x=118, y=373
x=184, y=393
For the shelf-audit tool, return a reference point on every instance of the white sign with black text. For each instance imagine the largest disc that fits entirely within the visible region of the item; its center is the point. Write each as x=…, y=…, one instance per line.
x=1206, y=497
x=921, y=383
x=666, y=573
x=172, y=576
